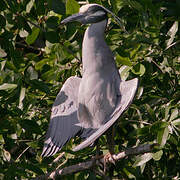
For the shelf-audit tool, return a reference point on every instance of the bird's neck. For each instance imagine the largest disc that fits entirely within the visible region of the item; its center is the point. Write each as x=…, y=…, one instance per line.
x=95, y=49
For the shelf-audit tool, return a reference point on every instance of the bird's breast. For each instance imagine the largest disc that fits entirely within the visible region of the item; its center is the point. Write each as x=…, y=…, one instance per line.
x=96, y=99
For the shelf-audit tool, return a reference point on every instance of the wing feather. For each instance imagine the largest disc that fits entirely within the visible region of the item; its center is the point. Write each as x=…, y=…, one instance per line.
x=63, y=118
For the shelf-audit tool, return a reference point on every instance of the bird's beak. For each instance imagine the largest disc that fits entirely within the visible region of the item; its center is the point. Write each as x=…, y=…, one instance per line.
x=75, y=17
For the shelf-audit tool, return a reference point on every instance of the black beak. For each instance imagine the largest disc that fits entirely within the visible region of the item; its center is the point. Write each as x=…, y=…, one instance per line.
x=75, y=17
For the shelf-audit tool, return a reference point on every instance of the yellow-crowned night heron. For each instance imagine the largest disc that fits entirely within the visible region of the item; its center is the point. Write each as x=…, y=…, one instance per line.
x=90, y=105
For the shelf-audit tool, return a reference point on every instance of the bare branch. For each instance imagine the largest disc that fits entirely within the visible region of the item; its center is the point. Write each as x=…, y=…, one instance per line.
x=91, y=163
x=22, y=153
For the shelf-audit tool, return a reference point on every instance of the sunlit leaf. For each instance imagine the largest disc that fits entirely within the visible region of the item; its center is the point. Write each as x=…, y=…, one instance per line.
x=139, y=69
x=7, y=86
x=2, y=53
x=162, y=136
x=72, y=7
x=176, y=122
x=21, y=97
x=157, y=155
x=123, y=60
x=31, y=38
x=142, y=159
x=29, y=6
x=6, y=155
x=172, y=32
x=174, y=114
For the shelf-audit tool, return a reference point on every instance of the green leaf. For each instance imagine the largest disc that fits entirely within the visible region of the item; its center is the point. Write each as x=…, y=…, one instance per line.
x=174, y=114
x=31, y=38
x=57, y=6
x=3, y=5
x=40, y=64
x=36, y=84
x=29, y=6
x=162, y=136
x=134, y=4
x=139, y=69
x=172, y=32
x=21, y=97
x=124, y=72
x=176, y=122
x=157, y=155
x=52, y=37
x=1, y=139
x=30, y=126
x=6, y=155
x=7, y=86
x=123, y=60
x=158, y=125
x=52, y=22
x=32, y=74
x=2, y=53
x=151, y=112
x=72, y=7
x=143, y=159
x=33, y=144
x=2, y=21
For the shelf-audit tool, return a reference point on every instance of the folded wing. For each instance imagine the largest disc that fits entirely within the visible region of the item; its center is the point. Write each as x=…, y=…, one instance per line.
x=127, y=93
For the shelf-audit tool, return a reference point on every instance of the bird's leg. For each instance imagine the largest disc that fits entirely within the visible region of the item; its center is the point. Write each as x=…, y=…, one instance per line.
x=98, y=155
x=110, y=141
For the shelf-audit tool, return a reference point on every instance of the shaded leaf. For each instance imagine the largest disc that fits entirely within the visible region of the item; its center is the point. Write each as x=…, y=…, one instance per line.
x=37, y=84
x=52, y=36
x=52, y=22
x=57, y=6
x=2, y=21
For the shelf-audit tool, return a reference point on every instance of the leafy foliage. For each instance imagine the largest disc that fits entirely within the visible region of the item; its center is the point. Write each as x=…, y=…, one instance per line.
x=37, y=55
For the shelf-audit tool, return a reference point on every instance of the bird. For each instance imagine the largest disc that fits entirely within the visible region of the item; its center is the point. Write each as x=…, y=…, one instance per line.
x=89, y=106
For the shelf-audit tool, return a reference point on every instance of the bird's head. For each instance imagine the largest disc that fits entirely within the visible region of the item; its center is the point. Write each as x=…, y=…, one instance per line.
x=88, y=14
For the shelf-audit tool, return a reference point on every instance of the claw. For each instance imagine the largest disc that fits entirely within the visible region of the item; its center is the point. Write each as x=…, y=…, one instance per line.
x=108, y=158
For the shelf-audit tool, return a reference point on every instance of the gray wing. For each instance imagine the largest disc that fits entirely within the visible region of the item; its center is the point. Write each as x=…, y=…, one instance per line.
x=63, y=118
x=127, y=91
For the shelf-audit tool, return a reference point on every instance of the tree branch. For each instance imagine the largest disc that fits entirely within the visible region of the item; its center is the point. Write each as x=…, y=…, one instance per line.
x=91, y=163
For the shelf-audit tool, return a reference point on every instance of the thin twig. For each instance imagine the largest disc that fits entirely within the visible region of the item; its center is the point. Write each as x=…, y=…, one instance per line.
x=28, y=46
x=157, y=65
x=22, y=153
x=91, y=163
x=36, y=25
x=140, y=122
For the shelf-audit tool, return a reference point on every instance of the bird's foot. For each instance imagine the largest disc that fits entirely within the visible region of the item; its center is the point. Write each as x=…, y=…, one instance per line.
x=108, y=158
